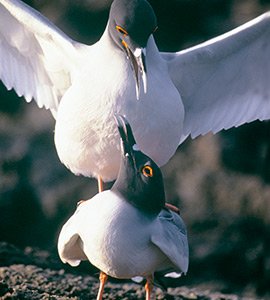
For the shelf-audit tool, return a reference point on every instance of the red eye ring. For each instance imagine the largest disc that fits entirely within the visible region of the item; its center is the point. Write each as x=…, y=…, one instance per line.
x=121, y=30
x=147, y=171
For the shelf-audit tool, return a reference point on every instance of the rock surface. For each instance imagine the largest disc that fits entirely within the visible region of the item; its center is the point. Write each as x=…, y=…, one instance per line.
x=33, y=274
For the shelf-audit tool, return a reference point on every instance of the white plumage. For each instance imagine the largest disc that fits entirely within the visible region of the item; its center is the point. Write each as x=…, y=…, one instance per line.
x=128, y=231
x=121, y=241
x=219, y=84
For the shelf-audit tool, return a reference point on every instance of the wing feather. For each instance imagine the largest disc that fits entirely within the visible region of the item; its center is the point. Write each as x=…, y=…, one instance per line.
x=36, y=58
x=224, y=82
x=69, y=242
x=170, y=237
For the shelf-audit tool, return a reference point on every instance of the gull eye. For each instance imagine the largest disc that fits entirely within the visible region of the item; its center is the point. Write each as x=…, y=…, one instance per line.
x=121, y=30
x=147, y=171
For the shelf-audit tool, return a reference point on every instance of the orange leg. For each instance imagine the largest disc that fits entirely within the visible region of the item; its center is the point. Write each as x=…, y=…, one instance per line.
x=102, y=280
x=100, y=184
x=100, y=189
x=102, y=276
x=149, y=287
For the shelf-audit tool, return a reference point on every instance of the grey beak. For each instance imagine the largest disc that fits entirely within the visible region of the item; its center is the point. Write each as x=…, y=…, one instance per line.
x=127, y=138
x=137, y=59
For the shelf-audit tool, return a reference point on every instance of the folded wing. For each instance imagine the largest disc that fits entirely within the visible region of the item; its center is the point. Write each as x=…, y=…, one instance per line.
x=69, y=242
x=170, y=237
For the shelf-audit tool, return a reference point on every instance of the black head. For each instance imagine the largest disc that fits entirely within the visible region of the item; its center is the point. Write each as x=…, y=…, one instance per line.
x=132, y=21
x=139, y=180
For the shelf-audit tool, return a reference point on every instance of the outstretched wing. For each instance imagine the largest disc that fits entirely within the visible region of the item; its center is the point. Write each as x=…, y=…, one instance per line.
x=36, y=58
x=224, y=82
x=170, y=237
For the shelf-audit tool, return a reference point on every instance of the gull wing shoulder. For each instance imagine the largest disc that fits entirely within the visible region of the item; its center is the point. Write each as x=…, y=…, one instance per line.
x=69, y=242
x=225, y=81
x=36, y=58
x=170, y=237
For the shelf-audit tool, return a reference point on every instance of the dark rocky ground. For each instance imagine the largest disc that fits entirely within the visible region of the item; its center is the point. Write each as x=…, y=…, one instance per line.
x=35, y=274
x=220, y=183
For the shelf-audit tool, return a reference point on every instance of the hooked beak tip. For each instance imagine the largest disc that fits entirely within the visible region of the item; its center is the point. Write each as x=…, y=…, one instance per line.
x=138, y=62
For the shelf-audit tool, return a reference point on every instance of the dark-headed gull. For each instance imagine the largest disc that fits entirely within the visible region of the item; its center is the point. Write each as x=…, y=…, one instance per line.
x=219, y=84
x=127, y=231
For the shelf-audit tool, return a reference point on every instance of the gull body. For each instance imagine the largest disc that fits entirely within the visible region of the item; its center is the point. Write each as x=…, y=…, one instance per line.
x=166, y=97
x=127, y=231
x=116, y=238
x=90, y=142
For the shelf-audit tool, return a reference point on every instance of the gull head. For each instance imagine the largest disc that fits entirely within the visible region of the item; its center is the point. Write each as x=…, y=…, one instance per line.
x=131, y=23
x=139, y=180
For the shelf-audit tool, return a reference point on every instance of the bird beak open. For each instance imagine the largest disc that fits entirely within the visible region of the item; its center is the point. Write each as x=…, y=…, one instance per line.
x=128, y=141
x=137, y=59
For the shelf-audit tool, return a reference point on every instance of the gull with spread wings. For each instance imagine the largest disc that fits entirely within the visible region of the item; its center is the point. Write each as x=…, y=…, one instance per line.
x=166, y=97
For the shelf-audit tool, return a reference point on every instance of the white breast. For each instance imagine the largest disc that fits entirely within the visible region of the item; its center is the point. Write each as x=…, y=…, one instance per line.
x=86, y=136
x=116, y=237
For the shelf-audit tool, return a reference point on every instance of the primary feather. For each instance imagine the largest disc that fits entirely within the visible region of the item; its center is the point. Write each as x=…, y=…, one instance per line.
x=225, y=81
x=36, y=59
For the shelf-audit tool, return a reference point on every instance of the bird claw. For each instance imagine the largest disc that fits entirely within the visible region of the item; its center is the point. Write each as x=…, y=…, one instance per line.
x=80, y=202
x=172, y=208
